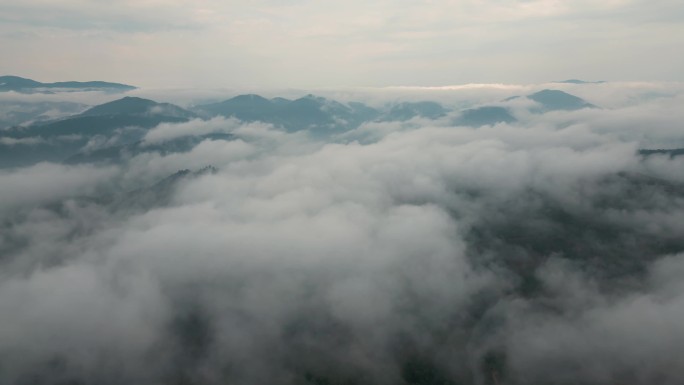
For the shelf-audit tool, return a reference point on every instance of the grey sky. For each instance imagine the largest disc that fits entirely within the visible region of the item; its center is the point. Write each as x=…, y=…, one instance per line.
x=301, y=43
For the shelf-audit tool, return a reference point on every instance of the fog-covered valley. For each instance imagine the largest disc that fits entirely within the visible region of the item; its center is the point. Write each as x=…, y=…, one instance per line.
x=480, y=234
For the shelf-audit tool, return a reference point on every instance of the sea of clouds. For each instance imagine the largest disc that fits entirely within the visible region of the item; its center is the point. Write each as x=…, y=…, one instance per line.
x=547, y=251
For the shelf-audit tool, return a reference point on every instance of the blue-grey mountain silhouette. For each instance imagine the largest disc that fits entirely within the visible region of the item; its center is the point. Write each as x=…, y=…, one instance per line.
x=131, y=106
x=554, y=100
x=551, y=100
x=320, y=115
x=118, y=123
x=121, y=152
x=578, y=81
x=244, y=107
x=19, y=84
x=409, y=110
x=125, y=112
x=487, y=115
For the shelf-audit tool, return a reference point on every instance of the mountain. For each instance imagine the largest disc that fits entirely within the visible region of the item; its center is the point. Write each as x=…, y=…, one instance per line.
x=577, y=81
x=482, y=116
x=245, y=107
x=552, y=100
x=567, y=230
x=316, y=114
x=121, y=152
x=310, y=112
x=112, y=124
x=313, y=112
x=23, y=85
x=409, y=110
x=138, y=106
x=146, y=196
x=158, y=194
x=15, y=82
x=102, y=119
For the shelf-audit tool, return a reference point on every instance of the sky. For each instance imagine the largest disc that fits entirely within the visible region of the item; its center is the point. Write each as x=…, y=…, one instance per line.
x=303, y=43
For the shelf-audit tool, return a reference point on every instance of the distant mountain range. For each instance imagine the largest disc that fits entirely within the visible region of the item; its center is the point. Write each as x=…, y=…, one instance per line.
x=133, y=106
x=23, y=85
x=102, y=119
x=308, y=112
x=114, y=131
x=577, y=81
x=545, y=100
x=98, y=131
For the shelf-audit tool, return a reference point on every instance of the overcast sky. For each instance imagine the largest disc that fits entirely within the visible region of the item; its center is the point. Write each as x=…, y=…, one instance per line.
x=305, y=43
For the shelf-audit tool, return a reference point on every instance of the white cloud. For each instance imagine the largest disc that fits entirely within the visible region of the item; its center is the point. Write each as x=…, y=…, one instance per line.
x=429, y=244
x=21, y=141
x=47, y=182
x=168, y=131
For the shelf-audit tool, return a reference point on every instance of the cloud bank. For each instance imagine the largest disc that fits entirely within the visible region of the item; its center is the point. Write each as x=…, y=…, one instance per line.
x=425, y=254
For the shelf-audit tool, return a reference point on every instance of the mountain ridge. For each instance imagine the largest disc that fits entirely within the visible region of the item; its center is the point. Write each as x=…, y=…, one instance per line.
x=25, y=85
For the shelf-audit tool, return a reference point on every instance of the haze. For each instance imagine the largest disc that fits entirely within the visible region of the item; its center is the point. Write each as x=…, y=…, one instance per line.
x=305, y=44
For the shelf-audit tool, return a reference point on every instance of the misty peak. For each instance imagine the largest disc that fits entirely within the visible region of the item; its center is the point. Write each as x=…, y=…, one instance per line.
x=485, y=116
x=253, y=98
x=131, y=105
x=559, y=100
x=16, y=81
x=322, y=103
x=126, y=105
x=24, y=85
x=409, y=110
